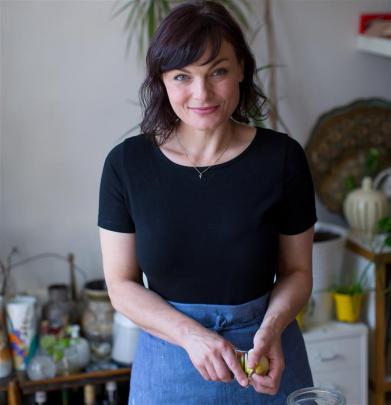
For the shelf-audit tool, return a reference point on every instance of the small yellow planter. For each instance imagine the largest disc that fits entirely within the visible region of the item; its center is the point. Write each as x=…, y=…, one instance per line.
x=348, y=306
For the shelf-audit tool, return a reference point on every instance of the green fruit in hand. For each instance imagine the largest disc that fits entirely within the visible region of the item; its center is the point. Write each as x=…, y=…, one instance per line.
x=261, y=368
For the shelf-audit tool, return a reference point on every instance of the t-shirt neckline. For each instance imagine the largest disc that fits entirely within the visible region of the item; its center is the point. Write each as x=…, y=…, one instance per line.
x=228, y=162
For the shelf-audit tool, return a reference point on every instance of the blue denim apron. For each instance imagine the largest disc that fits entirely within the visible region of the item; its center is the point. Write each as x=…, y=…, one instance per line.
x=163, y=374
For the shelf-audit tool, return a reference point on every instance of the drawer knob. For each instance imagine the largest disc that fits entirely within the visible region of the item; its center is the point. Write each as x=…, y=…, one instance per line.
x=328, y=357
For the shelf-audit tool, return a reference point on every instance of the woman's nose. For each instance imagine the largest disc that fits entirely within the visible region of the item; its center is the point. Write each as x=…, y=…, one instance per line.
x=201, y=90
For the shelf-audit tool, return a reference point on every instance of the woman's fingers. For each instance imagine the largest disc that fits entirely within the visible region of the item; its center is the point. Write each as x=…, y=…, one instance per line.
x=211, y=371
x=265, y=384
x=223, y=366
x=231, y=360
x=215, y=358
x=204, y=373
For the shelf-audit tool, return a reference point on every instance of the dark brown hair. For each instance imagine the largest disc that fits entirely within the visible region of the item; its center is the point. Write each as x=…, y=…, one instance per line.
x=181, y=39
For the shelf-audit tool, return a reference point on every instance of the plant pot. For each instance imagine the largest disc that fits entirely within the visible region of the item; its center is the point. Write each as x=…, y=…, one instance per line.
x=348, y=307
x=328, y=253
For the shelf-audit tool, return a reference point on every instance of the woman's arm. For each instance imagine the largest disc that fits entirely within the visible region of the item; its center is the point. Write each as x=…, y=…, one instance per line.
x=212, y=355
x=291, y=292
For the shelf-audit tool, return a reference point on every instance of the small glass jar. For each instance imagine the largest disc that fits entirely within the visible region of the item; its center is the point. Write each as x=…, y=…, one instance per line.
x=97, y=320
x=316, y=395
x=59, y=310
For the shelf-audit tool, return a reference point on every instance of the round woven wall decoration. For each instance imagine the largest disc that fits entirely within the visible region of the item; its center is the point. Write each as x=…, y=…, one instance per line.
x=339, y=144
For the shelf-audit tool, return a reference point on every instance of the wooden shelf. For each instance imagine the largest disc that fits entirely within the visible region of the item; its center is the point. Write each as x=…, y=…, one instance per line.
x=376, y=46
x=380, y=383
x=73, y=380
x=18, y=384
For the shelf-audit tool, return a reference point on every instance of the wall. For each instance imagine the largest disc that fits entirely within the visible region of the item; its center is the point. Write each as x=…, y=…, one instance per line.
x=66, y=95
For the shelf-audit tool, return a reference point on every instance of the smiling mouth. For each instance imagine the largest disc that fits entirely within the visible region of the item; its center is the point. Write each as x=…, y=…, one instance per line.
x=204, y=110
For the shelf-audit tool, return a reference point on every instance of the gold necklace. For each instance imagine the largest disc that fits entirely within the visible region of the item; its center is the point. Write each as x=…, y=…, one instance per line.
x=200, y=172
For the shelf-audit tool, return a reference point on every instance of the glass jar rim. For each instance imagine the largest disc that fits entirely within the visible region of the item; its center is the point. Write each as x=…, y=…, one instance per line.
x=321, y=392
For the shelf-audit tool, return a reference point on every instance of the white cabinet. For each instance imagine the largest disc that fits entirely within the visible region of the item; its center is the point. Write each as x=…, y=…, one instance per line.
x=338, y=356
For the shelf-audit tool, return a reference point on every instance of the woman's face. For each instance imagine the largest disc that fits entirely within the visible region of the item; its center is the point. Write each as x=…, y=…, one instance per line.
x=205, y=96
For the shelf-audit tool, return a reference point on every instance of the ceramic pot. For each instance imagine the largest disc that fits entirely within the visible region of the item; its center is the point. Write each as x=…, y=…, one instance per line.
x=125, y=337
x=348, y=307
x=327, y=258
x=364, y=207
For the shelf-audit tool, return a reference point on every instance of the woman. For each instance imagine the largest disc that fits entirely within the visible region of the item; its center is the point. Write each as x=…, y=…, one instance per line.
x=218, y=215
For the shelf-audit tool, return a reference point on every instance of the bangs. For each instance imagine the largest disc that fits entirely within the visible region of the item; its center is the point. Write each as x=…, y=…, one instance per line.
x=189, y=48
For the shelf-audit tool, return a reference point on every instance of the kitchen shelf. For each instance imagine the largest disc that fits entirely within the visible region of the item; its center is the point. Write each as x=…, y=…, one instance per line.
x=379, y=380
x=18, y=384
x=376, y=46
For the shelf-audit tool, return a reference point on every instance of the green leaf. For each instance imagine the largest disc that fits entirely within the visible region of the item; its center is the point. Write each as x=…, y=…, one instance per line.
x=236, y=11
x=151, y=19
x=57, y=355
x=350, y=183
x=62, y=343
x=47, y=341
x=349, y=289
x=123, y=8
x=372, y=161
x=165, y=8
x=269, y=66
x=384, y=225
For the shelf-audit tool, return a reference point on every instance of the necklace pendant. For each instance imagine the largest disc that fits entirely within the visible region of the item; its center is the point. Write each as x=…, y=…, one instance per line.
x=200, y=175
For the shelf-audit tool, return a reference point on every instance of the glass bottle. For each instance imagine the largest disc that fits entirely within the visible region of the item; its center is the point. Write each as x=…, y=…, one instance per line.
x=111, y=393
x=41, y=367
x=81, y=347
x=40, y=397
x=59, y=310
x=97, y=320
x=89, y=395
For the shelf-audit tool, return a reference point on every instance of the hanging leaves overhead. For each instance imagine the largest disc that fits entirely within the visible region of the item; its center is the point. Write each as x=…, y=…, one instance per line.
x=144, y=16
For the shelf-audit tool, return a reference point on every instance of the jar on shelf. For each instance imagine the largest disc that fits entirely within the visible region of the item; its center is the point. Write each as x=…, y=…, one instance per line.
x=97, y=320
x=59, y=310
x=364, y=207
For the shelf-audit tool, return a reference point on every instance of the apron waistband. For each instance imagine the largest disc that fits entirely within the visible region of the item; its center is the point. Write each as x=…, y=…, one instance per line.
x=224, y=315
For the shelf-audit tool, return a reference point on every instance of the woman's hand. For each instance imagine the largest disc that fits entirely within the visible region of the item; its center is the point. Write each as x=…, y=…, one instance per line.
x=267, y=343
x=214, y=357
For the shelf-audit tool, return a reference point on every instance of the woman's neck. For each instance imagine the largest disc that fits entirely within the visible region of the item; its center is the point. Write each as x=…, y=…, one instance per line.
x=204, y=146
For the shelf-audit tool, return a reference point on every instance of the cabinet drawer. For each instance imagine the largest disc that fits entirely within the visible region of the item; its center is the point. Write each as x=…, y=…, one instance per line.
x=348, y=382
x=335, y=354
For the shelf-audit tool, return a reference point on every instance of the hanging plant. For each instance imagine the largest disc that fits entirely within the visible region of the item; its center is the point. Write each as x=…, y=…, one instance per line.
x=144, y=16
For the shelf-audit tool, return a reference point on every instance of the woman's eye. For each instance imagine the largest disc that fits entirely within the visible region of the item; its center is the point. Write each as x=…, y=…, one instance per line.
x=181, y=77
x=220, y=72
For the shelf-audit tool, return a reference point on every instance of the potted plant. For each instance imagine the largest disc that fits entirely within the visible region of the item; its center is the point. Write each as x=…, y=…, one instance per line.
x=348, y=297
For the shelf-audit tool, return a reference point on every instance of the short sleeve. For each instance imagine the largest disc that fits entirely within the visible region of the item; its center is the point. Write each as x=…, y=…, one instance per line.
x=114, y=210
x=296, y=209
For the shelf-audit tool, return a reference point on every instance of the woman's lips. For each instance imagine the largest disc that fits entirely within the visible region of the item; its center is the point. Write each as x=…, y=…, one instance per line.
x=204, y=110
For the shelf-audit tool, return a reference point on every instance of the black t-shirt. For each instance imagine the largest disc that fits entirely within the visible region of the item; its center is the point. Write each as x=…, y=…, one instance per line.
x=212, y=240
